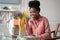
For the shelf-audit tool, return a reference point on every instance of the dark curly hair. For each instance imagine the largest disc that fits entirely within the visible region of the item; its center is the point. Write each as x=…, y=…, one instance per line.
x=34, y=4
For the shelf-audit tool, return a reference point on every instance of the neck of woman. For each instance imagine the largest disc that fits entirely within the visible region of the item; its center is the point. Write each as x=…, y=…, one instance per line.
x=37, y=17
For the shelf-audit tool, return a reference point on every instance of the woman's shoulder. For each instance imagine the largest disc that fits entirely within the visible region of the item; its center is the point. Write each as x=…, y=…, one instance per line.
x=45, y=18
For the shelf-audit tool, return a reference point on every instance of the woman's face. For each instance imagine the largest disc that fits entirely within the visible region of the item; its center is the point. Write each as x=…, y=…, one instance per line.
x=34, y=13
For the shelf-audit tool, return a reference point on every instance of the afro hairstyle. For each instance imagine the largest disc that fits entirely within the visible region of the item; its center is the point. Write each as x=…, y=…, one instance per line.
x=34, y=4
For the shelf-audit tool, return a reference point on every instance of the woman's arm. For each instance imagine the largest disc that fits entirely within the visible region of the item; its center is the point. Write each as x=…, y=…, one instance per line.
x=28, y=28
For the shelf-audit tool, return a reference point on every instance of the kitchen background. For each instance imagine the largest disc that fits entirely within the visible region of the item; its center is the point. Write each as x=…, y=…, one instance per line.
x=49, y=9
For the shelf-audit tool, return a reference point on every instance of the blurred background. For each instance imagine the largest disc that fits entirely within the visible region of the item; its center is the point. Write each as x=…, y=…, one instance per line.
x=9, y=8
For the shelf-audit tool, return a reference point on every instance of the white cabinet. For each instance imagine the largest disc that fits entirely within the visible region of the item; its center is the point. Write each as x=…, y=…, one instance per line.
x=5, y=15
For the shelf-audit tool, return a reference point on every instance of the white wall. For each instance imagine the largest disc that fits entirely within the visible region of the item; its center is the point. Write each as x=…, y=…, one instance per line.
x=51, y=10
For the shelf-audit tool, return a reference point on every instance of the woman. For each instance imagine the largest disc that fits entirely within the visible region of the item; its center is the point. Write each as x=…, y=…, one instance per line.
x=37, y=25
